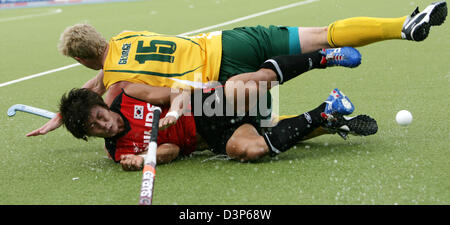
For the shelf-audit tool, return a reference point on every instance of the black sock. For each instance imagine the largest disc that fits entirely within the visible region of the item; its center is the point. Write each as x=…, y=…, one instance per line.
x=289, y=66
x=289, y=132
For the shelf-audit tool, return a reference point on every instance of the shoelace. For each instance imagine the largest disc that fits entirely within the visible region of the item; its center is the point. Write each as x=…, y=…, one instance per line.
x=335, y=57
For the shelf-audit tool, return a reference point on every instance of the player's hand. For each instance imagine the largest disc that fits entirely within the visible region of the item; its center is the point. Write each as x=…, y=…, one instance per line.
x=131, y=162
x=167, y=122
x=49, y=126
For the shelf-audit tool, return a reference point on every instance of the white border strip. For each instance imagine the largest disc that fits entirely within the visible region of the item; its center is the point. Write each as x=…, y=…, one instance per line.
x=187, y=33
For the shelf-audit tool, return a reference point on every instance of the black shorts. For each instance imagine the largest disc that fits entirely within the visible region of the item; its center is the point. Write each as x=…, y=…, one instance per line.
x=215, y=129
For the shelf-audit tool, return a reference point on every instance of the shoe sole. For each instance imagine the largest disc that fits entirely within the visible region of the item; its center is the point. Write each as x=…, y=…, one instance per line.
x=361, y=125
x=420, y=32
x=438, y=14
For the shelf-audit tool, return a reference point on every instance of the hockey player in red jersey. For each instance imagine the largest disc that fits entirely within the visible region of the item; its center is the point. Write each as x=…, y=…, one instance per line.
x=126, y=126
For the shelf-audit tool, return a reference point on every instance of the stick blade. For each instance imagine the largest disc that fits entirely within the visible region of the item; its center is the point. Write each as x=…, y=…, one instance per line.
x=12, y=110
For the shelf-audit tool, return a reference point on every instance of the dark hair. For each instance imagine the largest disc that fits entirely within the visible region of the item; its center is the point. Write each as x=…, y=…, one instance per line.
x=75, y=108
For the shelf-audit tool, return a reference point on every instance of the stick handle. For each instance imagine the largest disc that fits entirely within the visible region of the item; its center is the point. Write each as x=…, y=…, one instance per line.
x=149, y=171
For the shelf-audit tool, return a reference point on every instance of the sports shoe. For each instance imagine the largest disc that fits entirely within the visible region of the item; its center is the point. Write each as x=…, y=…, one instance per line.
x=345, y=56
x=338, y=102
x=361, y=125
x=417, y=26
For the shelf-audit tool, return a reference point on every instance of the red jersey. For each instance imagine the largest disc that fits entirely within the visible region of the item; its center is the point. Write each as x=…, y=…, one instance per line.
x=138, y=119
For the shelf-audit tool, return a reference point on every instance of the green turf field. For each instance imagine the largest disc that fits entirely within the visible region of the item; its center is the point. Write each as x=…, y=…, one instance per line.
x=398, y=165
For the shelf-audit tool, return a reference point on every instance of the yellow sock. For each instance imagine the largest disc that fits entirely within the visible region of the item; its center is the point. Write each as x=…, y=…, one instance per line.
x=360, y=31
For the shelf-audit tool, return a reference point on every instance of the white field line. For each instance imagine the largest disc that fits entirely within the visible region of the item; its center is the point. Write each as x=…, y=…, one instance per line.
x=250, y=16
x=183, y=34
x=51, y=12
x=39, y=74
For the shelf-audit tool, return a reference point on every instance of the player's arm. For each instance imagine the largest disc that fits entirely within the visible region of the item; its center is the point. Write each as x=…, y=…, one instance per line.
x=52, y=124
x=165, y=153
x=96, y=84
x=179, y=101
x=151, y=94
x=114, y=90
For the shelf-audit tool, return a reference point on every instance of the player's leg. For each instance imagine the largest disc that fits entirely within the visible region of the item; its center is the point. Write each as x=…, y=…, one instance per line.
x=317, y=132
x=265, y=54
x=280, y=69
x=329, y=115
x=246, y=144
x=360, y=31
x=328, y=118
x=288, y=132
x=312, y=38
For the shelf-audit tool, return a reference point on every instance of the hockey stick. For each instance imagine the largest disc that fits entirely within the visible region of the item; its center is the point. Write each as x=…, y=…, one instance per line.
x=30, y=109
x=149, y=171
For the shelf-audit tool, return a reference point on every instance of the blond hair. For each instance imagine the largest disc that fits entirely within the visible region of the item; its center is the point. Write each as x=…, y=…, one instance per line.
x=83, y=41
